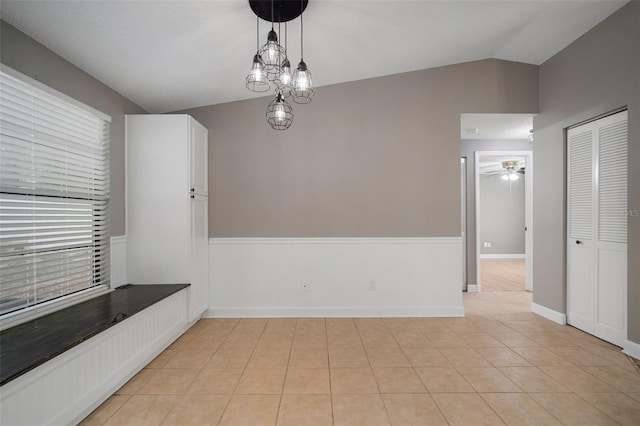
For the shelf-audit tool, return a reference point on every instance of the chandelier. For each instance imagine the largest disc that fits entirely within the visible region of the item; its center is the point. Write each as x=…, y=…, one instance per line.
x=271, y=69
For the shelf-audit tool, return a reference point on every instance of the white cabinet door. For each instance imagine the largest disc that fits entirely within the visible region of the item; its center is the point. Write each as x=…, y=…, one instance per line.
x=199, y=301
x=198, y=150
x=597, y=227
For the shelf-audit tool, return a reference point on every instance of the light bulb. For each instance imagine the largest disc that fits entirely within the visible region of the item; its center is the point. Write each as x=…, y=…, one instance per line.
x=505, y=177
x=513, y=176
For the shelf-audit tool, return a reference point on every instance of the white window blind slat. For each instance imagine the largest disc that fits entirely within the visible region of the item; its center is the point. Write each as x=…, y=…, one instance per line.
x=54, y=194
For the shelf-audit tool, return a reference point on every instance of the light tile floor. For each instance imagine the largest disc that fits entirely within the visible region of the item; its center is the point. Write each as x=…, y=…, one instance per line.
x=501, y=364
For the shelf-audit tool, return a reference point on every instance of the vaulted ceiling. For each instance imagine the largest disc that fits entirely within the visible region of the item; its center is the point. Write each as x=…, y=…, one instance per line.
x=171, y=55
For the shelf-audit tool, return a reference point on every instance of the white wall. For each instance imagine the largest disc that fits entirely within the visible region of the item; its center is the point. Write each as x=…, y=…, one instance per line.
x=502, y=215
x=252, y=277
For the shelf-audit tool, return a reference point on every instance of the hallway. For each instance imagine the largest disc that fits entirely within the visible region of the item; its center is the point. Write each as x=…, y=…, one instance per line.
x=502, y=274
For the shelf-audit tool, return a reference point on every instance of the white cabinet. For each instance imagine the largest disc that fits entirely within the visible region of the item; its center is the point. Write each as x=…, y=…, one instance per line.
x=167, y=204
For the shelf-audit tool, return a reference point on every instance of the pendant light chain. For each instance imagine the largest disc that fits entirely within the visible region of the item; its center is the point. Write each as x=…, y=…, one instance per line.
x=301, y=31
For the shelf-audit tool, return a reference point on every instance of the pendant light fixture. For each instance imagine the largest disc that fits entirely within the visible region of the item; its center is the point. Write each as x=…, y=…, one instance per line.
x=271, y=66
x=302, y=85
x=257, y=80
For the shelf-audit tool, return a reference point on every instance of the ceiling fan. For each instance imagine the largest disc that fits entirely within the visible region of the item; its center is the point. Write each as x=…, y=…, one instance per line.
x=509, y=171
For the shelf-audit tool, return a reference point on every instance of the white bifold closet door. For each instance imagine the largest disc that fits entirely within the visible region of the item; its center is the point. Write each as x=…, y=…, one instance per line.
x=597, y=228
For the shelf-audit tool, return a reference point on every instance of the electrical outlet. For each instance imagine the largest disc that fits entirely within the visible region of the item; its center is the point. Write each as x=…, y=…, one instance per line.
x=372, y=285
x=489, y=245
x=305, y=287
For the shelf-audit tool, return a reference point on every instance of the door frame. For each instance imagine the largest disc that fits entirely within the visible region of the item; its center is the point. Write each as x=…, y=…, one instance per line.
x=528, y=214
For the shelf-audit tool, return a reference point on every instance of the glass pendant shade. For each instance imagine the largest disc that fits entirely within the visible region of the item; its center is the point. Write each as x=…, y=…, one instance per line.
x=279, y=113
x=285, y=80
x=302, y=86
x=257, y=80
x=273, y=55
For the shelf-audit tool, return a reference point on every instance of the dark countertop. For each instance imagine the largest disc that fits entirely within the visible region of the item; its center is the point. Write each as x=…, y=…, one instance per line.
x=28, y=345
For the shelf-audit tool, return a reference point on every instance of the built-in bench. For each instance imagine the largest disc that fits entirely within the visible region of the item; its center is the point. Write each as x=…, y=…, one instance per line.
x=57, y=368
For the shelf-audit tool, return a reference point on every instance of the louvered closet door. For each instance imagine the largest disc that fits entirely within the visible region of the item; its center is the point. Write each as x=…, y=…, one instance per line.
x=611, y=227
x=580, y=281
x=597, y=228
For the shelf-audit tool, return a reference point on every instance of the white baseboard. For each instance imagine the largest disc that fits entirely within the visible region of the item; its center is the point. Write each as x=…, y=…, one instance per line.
x=329, y=312
x=472, y=288
x=632, y=349
x=325, y=277
x=118, y=261
x=549, y=314
x=503, y=256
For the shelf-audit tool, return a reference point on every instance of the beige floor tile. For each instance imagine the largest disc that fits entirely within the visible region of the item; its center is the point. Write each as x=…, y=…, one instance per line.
x=205, y=342
x=447, y=340
x=413, y=410
x=215, y=381
x=344, y=339
x=443, y=379
x=465, y=357
x=466, y=409
x=359, y=410
x=353, y=380
x=481, y=340
x=398, y=380
x=347, y=356
x=619, y=406
x=181, y=341
x=230, y=358
x=197, y=410
x=251, y=410
x=250, y=325
x=532, y=379
x=240, y=340
x=143, y=410
x=170, y=381
x=413, y=340
x=503, y=357
x=307, y=381
x=137, y=381
x=308, y=410
x=419, y=357
x=163, y=358
x=570, y=409
x=309, y=358
x=190, y=358
x=430, y=326
x=280, y=325
x=487, y=379
x=461, y=325
x=310, y=341
x=580, y=357
x=387, y=357
x=577, y=380
x=623, y=380
x=634, y=395
x=548, y=339
x=518, y=409
x=541, y=357
x=275, y=341
x=269, y=358
x=100, y=415
x=261, y=381
x=514, y=339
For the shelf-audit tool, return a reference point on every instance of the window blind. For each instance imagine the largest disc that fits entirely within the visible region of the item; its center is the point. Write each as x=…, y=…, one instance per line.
x=54, y=194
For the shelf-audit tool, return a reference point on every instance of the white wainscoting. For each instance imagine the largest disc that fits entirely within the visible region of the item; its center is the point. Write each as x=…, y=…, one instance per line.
x=328, y=277
x=67, y=388
x=118, y=261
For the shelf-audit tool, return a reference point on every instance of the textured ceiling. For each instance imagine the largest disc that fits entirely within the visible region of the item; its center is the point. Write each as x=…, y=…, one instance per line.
x=171, y=55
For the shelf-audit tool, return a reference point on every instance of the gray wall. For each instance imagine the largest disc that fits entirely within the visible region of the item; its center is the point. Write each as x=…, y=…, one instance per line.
x=370, y=158
x=33, y=59
x=468, y=149
x=502, y=215
x=597, y=73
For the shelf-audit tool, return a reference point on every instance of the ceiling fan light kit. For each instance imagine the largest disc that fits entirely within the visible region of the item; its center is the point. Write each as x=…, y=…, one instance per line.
x=271, y=67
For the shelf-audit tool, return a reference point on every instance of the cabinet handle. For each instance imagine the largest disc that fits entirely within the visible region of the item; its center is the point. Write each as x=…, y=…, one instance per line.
x=193, y=196
x=193, y=190
x=578, y=242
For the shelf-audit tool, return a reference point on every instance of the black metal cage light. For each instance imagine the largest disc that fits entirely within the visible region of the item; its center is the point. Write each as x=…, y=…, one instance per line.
x=279, y=113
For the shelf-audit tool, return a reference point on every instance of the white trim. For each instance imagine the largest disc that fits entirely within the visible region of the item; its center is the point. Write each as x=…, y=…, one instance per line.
x=320, y=277
x=549, y=314
x=503, y=256
x=472, y=288
x=118, y=261
x=51, y=91
x=632, y=349
x=336, y=240
x=339, y=312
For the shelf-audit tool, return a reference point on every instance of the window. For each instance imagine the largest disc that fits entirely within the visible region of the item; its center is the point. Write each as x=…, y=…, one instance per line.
x=54, y=194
